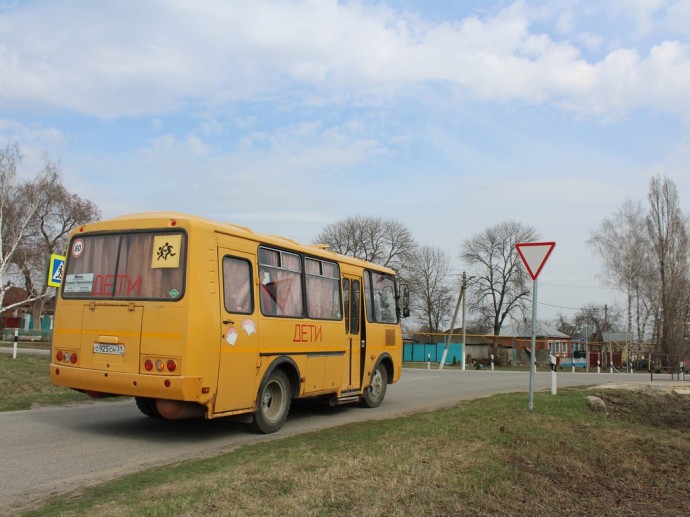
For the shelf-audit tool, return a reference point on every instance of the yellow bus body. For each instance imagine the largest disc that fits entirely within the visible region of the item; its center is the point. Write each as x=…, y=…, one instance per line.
x=209, y=345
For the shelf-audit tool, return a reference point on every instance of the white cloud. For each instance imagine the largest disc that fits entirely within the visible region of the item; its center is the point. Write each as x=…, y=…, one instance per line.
x=287, y=115
x=37, y=144
x=196, y=146
x=152, y=58
x=642, y=13
x=678, y=16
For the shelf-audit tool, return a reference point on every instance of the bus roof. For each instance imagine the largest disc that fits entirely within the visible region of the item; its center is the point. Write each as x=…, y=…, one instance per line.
x=164, y=219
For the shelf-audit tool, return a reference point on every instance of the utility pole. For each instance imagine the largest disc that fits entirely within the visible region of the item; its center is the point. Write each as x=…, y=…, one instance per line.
x=608, y=341
x=464, y=333
x=461, y=299
x=586, y=351
x=452, y=326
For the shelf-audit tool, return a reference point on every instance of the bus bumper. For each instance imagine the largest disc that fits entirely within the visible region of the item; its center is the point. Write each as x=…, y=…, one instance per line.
x=127, y=384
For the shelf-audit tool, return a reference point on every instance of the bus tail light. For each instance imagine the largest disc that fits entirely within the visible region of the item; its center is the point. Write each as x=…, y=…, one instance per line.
x=160, y=365
x=62, y=356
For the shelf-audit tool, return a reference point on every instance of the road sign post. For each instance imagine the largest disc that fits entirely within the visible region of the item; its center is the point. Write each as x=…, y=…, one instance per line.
x=534, y=255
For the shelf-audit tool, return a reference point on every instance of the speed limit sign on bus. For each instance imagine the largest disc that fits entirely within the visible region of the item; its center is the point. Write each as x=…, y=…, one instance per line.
x=77, y=248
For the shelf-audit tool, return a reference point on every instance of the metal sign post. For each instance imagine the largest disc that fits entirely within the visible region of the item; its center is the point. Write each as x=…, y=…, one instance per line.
x=534, y=255
x=532, y=353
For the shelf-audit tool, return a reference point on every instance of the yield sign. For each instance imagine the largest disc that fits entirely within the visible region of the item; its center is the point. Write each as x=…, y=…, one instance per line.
x=534, y=255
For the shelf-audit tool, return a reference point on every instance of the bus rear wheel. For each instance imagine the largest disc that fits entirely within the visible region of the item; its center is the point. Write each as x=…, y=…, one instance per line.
x=147, y=406
x=376, y=391
x=273, y=403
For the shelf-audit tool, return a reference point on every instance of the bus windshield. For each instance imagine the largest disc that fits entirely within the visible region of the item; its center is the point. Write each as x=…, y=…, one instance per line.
x=128, y=266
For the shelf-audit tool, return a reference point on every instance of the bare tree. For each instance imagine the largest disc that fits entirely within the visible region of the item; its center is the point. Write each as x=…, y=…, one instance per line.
x=563, y=324
x=18, y=206
x=35, y=218
x=385, y=242
x=622, y=242
x=595, y=320
x=668, y=231
x=431, y=293
x=501, y=285
x=58, y=212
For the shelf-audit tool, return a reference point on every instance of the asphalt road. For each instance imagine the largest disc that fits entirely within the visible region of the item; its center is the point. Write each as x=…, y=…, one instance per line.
x=30, y=351
x=52, y=450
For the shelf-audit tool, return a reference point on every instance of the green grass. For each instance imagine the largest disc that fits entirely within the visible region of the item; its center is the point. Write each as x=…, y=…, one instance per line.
x=25, y=382
x=489, y=456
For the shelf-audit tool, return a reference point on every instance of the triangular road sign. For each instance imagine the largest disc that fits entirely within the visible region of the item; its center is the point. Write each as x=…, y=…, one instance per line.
x=534, y=255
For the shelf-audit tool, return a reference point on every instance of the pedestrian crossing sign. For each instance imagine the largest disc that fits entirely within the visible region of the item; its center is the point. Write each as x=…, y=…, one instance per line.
x=56, y=270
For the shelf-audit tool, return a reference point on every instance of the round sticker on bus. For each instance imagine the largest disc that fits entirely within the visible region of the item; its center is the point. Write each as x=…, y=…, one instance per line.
x=77, y=248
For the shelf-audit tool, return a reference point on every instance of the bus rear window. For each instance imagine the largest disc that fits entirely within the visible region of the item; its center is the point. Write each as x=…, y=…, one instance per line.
x=128, y=266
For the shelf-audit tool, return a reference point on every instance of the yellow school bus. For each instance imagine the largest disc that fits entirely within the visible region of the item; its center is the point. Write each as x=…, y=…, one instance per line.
x=197, y=318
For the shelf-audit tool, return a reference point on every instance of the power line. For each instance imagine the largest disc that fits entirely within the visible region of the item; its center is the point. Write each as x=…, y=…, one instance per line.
x=558, y=306
x=569, y=308
x=584, y=287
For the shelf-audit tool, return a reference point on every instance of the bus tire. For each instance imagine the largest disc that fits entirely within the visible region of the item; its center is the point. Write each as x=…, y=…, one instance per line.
x=273, y=403
x=376, y=391
x=147, y=406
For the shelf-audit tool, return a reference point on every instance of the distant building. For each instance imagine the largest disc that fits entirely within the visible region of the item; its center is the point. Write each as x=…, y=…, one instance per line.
x=515, y=343
x=21, y=316
x=12, y=318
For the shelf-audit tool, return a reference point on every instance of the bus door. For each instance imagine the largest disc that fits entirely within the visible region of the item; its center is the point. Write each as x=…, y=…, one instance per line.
x=352, y=301
x=238, y=331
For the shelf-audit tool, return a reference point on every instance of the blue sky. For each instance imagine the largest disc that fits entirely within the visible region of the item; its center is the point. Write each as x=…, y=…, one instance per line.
x=449, y=116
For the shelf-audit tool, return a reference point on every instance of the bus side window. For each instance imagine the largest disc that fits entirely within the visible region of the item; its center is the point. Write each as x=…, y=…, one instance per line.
x=281, y=283
x=237, y=286
x=346, y=303
x=322, y=282
x=354, y=308
x=367, y=296
x=268, y=295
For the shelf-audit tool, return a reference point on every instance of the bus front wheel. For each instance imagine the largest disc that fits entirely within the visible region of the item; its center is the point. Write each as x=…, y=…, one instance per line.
x=273, y=403
x=374, y=394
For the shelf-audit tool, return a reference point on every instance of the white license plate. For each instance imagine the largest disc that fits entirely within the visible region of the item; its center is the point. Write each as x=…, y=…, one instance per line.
x=102, y=348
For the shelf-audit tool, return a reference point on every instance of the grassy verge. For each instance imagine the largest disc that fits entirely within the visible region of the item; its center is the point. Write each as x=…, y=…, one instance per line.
x=25, y=381
x=486, y=457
